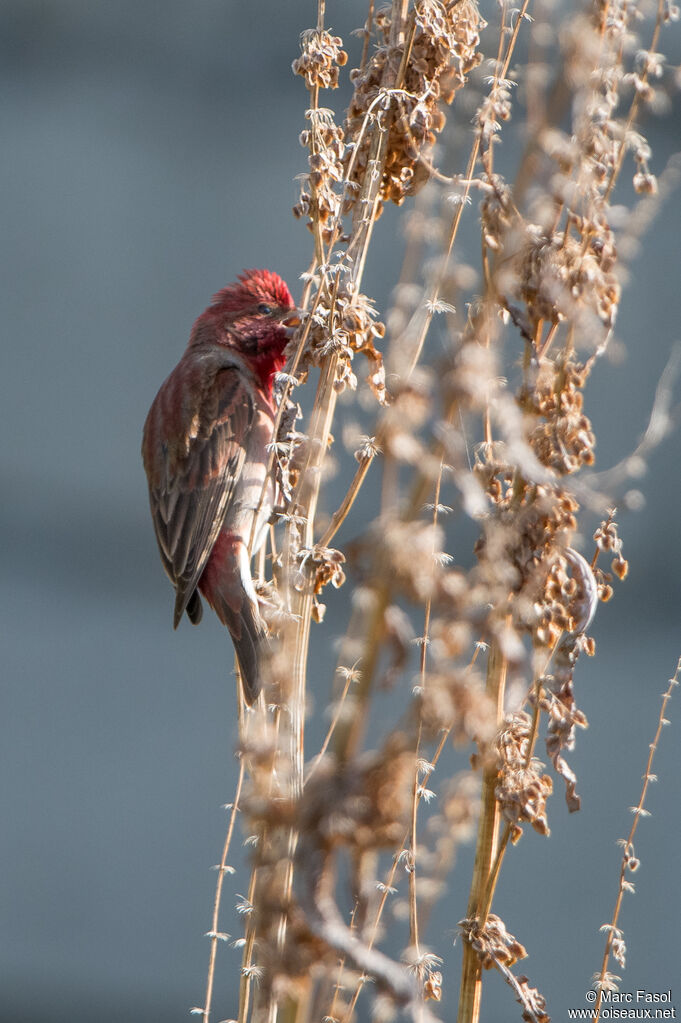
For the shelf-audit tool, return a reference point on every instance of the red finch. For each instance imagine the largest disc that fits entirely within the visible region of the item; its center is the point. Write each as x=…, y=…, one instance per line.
x=205, y=452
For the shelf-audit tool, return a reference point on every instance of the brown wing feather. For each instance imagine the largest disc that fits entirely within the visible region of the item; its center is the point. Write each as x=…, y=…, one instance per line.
x=194, y=448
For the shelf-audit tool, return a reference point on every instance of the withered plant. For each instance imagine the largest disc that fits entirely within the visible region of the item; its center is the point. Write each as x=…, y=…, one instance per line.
x=465, y=407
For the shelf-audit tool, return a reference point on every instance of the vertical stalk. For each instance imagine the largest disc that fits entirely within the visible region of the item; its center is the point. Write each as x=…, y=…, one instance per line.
x=296, y=648
x=306, y=507
x=485, y=853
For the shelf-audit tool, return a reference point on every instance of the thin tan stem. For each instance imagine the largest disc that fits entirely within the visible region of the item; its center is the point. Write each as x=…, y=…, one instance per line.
x=486, y=849
x=247, y=957
x=427, y=315
x=222, y=869
x=341, y=966
x=543, y=350
x=413, y=906
x=488, y=894
x=417, y=790
x=332, y=727
x=350, y=729
x=367, y=36
x=339, y=516
x=628, y=852
x=387, y=886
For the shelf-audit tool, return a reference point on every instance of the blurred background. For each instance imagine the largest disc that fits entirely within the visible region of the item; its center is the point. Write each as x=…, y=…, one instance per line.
x=150, y=152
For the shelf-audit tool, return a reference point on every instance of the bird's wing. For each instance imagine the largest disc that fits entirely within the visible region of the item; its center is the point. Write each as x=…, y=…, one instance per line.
x=193, y=449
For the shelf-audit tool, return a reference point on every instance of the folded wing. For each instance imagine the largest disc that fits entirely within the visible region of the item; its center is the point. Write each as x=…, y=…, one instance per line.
x=194, y=447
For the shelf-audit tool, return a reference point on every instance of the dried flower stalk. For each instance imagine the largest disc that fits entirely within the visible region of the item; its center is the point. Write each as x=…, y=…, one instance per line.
x=614, y=943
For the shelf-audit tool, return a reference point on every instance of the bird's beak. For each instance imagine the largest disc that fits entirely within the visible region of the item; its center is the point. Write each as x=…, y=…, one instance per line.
x=291, y=322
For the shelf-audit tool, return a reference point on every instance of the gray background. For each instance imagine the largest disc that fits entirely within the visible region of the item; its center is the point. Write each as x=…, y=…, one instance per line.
x=149, y=152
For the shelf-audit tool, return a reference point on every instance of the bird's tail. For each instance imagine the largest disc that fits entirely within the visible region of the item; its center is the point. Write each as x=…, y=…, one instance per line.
x=227, y=586
x=250, y=643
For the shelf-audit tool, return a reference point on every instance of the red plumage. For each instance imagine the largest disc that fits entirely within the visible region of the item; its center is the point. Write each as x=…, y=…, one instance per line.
x=205, y=452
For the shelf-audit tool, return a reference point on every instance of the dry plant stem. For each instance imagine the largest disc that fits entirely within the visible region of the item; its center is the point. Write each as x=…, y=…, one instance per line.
x=487, y=158
x=628, y=852
x=543, y=349
x=338, y=518
x=413, y=907
x=350, y=729
x=250, y=937
x=488, y=830
x=378, y=152
x=324, y=918
x=514, y=38
x=453, y=231
x=367, y=35
x=332, y=728
x=247, y=958
x=215, y=923
x=374, y=931
x=488, y=894
x=341, y=966
x=349, y=734
x=306, y=499
x=306, y=504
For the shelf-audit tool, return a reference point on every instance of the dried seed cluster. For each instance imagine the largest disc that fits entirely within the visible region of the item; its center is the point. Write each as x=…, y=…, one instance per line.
x=401, y=87
x=558, y=701
x=522, y=790
x=520, y=540
x=325, y=565
x=321, y=56
x=492, y=942
x=570, y=599
x=565, y=440
x=563, y=276
x=320, y=198
x=607, y=538
x=345, y=326
x=607, y=30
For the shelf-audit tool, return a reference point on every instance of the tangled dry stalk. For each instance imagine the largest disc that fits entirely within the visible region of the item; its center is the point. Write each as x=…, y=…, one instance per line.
x=494, y=431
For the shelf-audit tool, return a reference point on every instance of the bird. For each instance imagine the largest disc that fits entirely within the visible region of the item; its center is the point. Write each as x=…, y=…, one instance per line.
x=205, y=450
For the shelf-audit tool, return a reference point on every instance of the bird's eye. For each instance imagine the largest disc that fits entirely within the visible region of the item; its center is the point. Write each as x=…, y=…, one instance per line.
x=264, y=308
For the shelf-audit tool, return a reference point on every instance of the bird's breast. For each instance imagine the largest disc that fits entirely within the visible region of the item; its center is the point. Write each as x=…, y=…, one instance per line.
x=254, y=493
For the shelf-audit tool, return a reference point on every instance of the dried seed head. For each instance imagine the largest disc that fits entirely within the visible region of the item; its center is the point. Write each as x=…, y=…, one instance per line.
x=564, y=440
x=443, y=50
x=492, y=942
x=345, y=327
x=319, y=195
x=521, y=789
x=321, y=56
x=324, y=564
